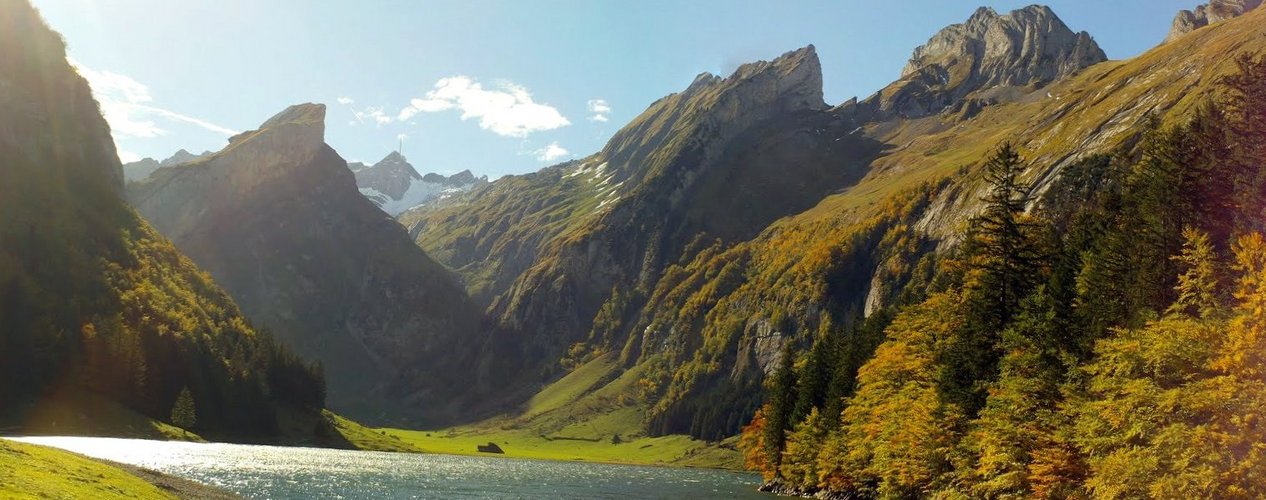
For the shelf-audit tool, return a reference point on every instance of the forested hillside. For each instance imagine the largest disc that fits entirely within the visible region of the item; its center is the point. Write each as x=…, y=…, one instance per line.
x=741, y=222
x=1103, y=338
x=92, y=300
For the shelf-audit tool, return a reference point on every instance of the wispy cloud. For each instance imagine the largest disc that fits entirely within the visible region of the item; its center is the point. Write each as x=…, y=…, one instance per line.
x=345, y=100
x=551, y=152
x=372, y=114
x=125, y=105
x=508, y=110
x=600, y=110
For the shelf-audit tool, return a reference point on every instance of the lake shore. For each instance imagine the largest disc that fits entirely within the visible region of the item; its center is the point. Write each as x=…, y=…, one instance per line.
x=177, y=486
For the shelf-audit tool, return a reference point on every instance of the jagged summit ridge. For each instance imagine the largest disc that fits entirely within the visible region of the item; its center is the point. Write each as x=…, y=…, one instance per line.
x=395, y=186
x=754, y=92
x=1025, y=47
x=1215, y=11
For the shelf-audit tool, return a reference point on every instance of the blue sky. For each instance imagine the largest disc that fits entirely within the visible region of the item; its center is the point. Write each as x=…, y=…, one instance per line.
x=497, y=87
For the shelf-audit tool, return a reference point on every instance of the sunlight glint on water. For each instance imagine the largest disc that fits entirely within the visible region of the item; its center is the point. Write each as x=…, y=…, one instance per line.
x=284, y=472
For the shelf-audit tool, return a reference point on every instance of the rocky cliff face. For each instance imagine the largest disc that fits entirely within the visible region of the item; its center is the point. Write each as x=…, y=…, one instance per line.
x=719, y=160
x=977, y=62
x=395, y=186
x=1215, y=11
x=277, y=219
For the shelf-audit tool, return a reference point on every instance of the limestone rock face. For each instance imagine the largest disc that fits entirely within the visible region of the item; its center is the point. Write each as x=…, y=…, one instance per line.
x=983, y=56
x=277, y=219
x=1215, y=11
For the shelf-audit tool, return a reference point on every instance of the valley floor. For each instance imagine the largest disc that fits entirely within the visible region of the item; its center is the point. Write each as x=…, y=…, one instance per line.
x=592, y=414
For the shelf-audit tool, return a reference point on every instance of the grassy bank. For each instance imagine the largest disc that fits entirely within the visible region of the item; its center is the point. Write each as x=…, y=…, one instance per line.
x=30, y=471
x=592, y=414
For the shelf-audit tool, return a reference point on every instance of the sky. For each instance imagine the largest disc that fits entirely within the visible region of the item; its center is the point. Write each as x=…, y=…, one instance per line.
x=496, y=87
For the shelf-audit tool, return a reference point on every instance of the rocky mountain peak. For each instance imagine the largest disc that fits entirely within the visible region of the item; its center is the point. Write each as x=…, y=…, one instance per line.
x=1025, y=47
x=291, y=137
x=307, y=114
x=1217, y=10
x=754, y=92
x=395, y=164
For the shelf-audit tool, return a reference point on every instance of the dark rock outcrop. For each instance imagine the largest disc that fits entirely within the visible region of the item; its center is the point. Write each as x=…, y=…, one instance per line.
x=1215, y=11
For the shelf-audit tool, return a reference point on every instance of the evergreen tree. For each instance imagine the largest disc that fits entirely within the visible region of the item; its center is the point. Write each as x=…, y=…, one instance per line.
x=1197, y=286
x=1246, y=110
x=184, y=414
x=781, y=401
x=1001, y=239
x=1003, y=261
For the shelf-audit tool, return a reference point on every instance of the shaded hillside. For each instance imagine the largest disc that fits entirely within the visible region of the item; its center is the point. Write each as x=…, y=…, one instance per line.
x=91, y=298
x=277, y=219
x=705, y=322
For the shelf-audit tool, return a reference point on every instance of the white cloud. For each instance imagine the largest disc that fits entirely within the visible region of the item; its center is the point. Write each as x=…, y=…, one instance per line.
x=551, y=152
x=600, y=110
x=507, y=111
x=128, y=156
x=346, y=101
x=124, y=104
x=372, y=114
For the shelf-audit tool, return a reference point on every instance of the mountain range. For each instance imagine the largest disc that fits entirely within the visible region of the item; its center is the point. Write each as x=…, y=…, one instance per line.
x=668, y=278
x=395, y=186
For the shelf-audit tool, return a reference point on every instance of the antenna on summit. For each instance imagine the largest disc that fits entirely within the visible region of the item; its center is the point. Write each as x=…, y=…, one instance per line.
x=400, y=149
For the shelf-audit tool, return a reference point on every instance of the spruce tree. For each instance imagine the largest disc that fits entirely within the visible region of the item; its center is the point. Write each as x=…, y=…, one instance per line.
x=1002, y=238
x=184, y=414
x=782, y=399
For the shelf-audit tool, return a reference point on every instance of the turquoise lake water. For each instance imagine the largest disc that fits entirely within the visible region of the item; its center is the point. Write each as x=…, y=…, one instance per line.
x=287, y=472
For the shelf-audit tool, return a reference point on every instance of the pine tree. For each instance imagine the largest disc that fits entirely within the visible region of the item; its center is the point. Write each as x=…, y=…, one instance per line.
x=1197, y=286
x=184, y=414
x=1246, y=110
x=1002, y=238
x=1003, y=261
x=782, y=398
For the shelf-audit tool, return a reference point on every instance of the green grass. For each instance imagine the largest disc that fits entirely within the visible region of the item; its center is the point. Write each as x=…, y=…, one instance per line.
x=75, y=413
x=30, y=471
x=364, y=438
x=575, y=418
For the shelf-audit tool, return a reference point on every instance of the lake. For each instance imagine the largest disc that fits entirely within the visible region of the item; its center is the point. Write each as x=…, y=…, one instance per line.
x=290, y=472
